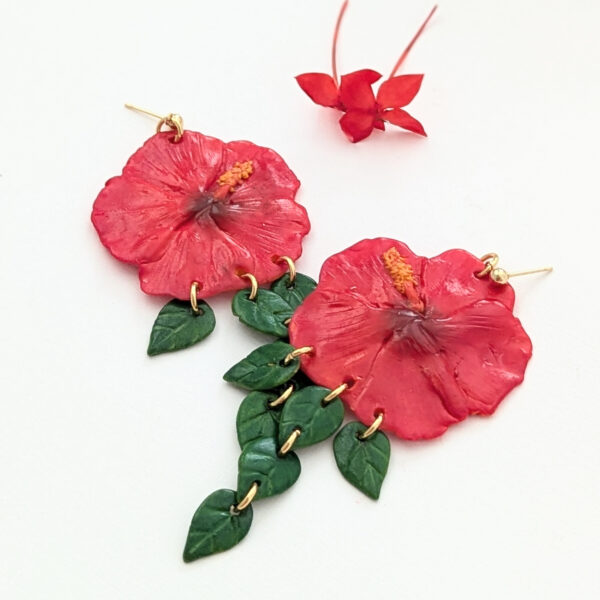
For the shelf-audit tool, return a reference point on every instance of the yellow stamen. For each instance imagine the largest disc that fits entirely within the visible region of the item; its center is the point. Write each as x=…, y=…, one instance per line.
x=403, y=277
x=400, y=271
x=236, y=175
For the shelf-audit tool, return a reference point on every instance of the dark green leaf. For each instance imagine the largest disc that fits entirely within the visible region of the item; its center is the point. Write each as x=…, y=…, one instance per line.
x=177, y=326
x=255, y=419
x=266, y=313
x=215, y=527
x=295, y=293
x=263, y=369
x=363, y=463
x=305, y=410
x=260, y=462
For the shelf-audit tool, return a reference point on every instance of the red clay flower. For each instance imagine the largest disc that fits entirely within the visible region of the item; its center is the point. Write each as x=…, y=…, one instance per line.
x=201, y=210
x=423, y=340
x=354, y=96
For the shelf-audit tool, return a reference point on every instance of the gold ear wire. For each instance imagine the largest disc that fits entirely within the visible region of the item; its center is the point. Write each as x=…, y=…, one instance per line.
x=498, y=274
x=172, y=120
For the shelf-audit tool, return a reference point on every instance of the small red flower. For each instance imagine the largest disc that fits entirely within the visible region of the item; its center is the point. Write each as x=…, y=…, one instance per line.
x=423, y=340
x=354, y=96
x=201, y=210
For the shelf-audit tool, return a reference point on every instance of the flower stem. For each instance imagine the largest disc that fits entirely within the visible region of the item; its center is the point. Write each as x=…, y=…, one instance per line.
x=335, y=38
x=412, y=43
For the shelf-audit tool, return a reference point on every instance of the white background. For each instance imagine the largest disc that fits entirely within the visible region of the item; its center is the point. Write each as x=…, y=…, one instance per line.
x=106, y=453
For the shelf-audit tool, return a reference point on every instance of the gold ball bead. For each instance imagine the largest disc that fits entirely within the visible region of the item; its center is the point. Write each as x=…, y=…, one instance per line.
x=499, y=275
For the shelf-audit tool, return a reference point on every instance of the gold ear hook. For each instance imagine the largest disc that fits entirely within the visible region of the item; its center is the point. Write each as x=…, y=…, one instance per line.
x=500, y=275
x=172, y=120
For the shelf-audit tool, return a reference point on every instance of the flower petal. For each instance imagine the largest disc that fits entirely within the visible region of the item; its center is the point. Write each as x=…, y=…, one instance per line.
x=356, y=92
x=345, y=331
x=395, y=385
x=136, y=212
x=134, y=219
x=480, y=355
x=320, y=87
x=237, y=238
x=271, y=177
x=486, y=350
x=398, y=91
x=354, y=343
x=359, y=271
x=187, y=166
x=401, y=118
x=199, y=252
x=357, y=124
x=268, y=229
x=449, y=283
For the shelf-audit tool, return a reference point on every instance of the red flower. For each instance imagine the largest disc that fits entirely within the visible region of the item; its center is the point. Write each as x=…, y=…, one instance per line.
x=201, y=210
x=354, y=96
x=423, y=340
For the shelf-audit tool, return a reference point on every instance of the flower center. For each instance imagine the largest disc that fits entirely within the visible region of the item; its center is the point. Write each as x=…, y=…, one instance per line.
x=403, y=278
x=228, y=181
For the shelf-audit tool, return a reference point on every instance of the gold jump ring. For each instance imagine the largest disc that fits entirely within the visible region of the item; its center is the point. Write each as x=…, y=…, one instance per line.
x=287, y=446
x=340, y=389
x=281, y=399
x=375, y=425
x=491, y=261
x=291, y=267
x=254, y=284
x=194, y=296
x=296, y=353
x=174, y=122
x=248, y=497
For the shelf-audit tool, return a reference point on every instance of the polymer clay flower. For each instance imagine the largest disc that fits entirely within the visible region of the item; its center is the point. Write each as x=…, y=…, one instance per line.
x=201, y=210
x=364, y=112
x=425, y=341
x=354, y=96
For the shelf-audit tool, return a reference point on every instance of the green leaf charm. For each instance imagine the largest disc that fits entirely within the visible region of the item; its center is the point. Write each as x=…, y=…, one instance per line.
x=177, y=326
x=264, y=368
x=215, y=527
x=295, y=293
x=255, y=419
x=267, y=312
x=363, y=463
x=305, y=410
x=260, y=462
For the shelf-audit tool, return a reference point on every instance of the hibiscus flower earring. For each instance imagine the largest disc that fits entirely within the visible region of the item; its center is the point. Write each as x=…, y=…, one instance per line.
x=198, y=216
x=353, y=94
x=411, y=345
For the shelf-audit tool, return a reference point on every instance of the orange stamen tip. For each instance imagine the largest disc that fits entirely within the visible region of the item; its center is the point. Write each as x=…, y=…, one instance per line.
x=399, y=270
x=236, y=175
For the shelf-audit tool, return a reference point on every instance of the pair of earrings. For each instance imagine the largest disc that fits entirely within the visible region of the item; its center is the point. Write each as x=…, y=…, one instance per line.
x=411, y=345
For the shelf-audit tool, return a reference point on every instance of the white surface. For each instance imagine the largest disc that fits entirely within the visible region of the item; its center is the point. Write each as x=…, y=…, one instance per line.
x=105, y=453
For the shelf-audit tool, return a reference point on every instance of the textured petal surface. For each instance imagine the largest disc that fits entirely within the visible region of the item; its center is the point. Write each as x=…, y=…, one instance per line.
x=357, y=124
x=271, y=179
x=426, y=370
x=401, y=118
x=135, y=219
x=449, y=283
x=359, y=272
x=320, y=87
x=187, y=166
x=398, y=91
x=356, y=92
x=345, y=332
x=163, y=214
